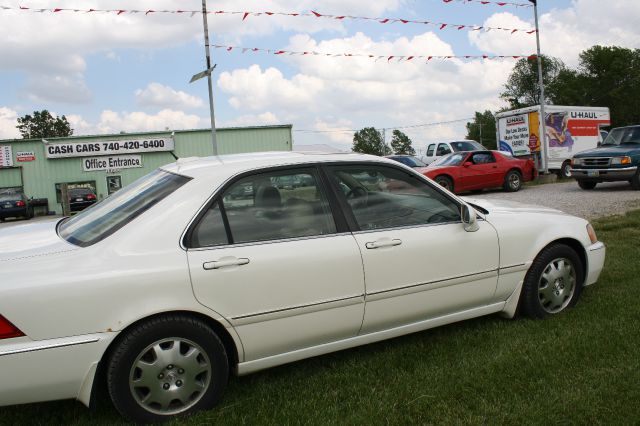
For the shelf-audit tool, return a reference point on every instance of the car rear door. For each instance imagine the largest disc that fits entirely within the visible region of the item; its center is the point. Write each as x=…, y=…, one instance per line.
x=419, y=262
x=274, y=262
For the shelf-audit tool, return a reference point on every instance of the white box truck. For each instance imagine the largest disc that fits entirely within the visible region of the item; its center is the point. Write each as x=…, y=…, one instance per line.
x=567, y=131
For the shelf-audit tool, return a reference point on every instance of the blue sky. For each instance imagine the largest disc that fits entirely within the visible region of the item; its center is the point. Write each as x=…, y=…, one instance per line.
x=130, y=72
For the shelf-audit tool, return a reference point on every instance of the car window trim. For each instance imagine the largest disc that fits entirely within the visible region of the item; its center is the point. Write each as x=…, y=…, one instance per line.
x=216, y=197
x=348, y=212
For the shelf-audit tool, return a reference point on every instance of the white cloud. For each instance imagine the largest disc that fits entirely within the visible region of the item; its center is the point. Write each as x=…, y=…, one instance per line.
x=57, y=88
x=266, y=118
x=564, y=33
x=8, y=123
x=116, y=122
x=158, y=95
x=338, y=93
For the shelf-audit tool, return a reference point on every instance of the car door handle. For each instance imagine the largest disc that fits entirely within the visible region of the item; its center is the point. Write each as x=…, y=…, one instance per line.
x=382, y=243
x=225, y=262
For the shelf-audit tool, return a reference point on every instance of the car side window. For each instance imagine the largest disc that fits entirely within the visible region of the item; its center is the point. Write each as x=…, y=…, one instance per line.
x=210, y=230
x=443, y=149
x=482, y=158
x=394, y=199
x=430, y=150
x=277, y=205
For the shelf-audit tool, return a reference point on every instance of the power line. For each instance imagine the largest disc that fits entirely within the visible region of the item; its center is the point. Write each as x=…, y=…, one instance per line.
x=413, y=126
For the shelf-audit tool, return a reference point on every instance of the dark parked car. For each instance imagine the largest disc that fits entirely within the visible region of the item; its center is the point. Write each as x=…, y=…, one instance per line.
x=81, y=198
x=14, y=203
x=617, y=159
x=408, y=160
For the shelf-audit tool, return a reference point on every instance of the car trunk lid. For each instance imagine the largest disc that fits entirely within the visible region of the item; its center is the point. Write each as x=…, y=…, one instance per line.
x=33, y=239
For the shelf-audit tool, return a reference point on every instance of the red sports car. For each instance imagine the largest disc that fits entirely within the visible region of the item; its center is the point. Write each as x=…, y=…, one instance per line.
x=465, y=171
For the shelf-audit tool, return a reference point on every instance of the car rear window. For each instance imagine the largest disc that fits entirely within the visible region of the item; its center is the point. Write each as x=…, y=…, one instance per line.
x=114, y=212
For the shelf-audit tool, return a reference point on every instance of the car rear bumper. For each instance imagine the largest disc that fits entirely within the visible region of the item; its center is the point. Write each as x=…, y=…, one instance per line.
x=604, y=175
x=595, y=262
x=13, y=212
x=46, y=370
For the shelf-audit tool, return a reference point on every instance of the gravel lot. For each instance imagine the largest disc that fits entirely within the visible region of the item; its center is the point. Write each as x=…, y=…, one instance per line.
x=606, y=199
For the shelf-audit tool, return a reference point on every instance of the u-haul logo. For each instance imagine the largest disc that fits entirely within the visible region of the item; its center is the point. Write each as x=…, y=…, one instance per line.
x=515, y=121
x=584, y=114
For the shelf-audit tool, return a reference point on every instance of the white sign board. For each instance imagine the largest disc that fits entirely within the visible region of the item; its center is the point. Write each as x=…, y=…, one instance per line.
x=514, y=134
x=116, y=162
x=93, y=148
x=6, y=156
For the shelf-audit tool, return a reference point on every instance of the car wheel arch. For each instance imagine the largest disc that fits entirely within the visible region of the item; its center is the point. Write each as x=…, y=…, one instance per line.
x=99, y=380
x=512, y=305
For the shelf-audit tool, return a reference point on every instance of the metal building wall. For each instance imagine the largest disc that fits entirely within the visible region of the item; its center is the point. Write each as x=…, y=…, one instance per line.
x=41, y=175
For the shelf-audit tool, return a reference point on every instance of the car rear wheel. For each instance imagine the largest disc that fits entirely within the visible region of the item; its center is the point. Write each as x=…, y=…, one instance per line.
x=512, y=181
x=445, y=182
x=166, y=367
x=565, y=170
x=553, y=283
x=584, y=184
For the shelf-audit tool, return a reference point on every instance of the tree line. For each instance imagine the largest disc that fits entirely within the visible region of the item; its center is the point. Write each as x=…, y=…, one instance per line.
x=606, y=76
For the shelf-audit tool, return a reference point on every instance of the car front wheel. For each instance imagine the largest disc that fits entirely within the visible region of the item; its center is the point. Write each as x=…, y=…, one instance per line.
x=445, y=182
x=553, y=282
x=165, y=367
x=584, y=184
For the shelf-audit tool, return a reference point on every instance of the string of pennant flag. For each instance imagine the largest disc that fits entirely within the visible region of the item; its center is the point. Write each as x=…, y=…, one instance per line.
x=247, y=14
x=387, y=58
x=485, y=2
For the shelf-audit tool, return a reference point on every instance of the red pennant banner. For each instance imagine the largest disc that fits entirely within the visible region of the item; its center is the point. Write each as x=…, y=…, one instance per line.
x=245, y=14
x=389, y=58
x=486, y=2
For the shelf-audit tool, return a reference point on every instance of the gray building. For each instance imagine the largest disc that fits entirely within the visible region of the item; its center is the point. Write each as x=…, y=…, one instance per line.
x=105, y=163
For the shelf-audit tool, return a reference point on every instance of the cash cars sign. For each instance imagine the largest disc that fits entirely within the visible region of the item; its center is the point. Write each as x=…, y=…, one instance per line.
x=95, y=148
x=116, y=162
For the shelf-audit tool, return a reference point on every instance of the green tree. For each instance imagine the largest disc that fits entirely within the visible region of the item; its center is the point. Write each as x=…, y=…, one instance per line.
x=483, y=129
x=522, y=88
x=401, y=144
x=370, y=141
x=43, y=125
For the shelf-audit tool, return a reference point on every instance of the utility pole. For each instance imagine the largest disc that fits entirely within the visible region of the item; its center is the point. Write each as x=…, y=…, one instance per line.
x=209, y=71
x=543, y=145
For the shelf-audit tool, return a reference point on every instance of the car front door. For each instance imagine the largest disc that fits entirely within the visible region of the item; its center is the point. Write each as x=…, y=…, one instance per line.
x=272, y=261
x=483, y=172
x=419, y=262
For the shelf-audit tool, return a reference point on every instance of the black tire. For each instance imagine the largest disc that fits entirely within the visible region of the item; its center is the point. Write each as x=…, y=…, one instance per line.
x=512, y=181
x=585, y=184
x=635, y=181
x=190, y=346
x=553, y=283
x=565, y=170
x=445, y=182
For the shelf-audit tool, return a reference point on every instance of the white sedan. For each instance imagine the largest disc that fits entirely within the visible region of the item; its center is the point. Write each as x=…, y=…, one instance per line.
x=213, y=266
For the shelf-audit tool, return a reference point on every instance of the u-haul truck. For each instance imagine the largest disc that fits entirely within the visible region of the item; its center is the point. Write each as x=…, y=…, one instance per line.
x=567, y=131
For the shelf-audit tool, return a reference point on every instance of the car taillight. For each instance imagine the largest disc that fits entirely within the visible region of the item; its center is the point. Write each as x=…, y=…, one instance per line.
x=91, y=197
x=20, y=203
x=8, y=330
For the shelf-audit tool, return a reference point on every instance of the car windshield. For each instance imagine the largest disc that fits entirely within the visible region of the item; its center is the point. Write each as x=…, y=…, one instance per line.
x=409, y=161
x=623, y=135
x=114, y=212
x=10, y=195
x=466, y=146
x=454, y=159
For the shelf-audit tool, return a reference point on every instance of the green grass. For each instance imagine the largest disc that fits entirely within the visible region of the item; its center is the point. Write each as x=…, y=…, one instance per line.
x=582, y=367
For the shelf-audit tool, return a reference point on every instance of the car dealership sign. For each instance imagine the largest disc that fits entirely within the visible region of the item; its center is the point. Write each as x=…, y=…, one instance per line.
x=95, y=148
x=116, y=162
x=6, y=156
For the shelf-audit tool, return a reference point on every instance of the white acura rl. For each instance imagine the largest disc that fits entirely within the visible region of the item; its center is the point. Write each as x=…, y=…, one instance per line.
x=232, y=264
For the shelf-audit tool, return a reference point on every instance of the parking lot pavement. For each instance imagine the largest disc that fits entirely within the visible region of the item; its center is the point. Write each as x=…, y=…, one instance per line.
x=609, y=198
x=15, y=222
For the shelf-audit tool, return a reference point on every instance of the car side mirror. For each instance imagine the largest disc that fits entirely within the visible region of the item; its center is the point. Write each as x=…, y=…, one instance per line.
x=468, y=163
x=469, y=218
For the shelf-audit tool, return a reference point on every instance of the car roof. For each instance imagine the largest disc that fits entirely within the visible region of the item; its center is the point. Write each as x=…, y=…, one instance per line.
x=236, y=163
